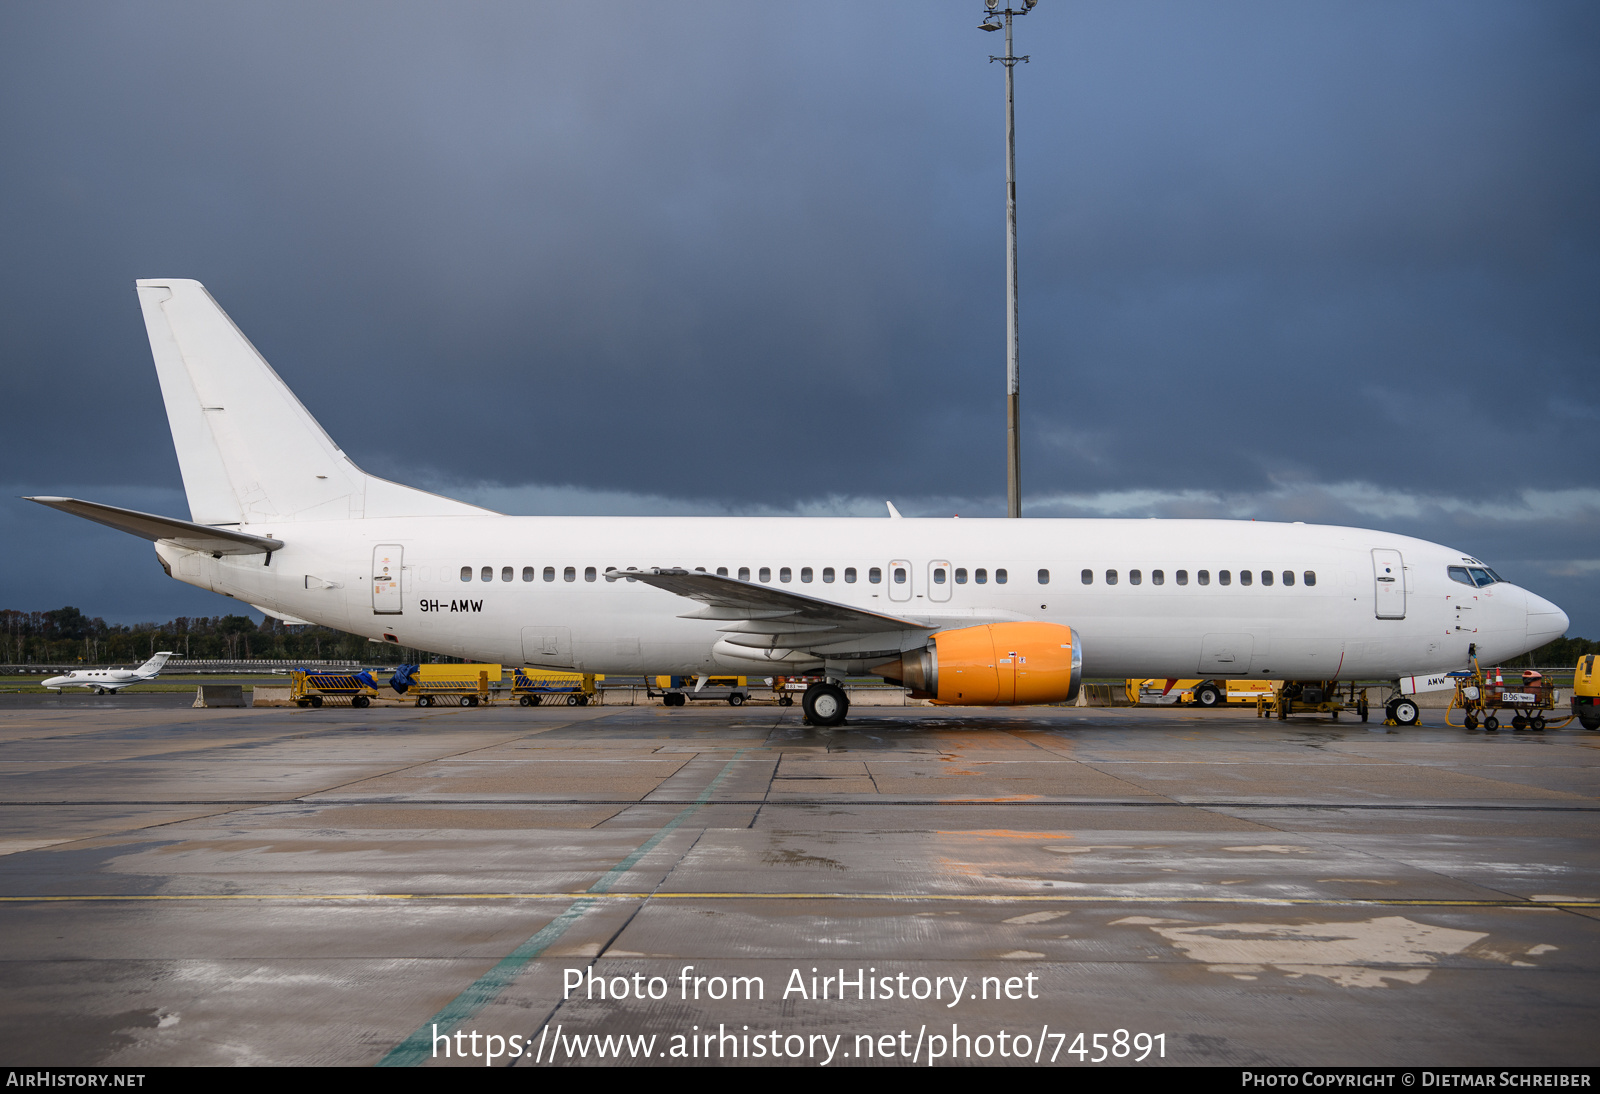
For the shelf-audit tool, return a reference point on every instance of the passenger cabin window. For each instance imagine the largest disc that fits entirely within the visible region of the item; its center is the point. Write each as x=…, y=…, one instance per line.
x=785, y=574
x=1111, y=577
x=588, y=573
x=1244, y=577
x=1202, y=577
x=466, y=573
x=1224, y=577
x=505, y=573
x=875, y=575
x=805, y=573
x=1183, y=577
x=744, y=573
x=1310, y=577
x=549, y=573
x=1158, y=577
x=980, y=576
x=999, y=577
x=722, y=571
x=938, y=575
x=1266, y=577
x=827, y=575
x=1044, y=577
x=1288, y=577
x=1087, y=577
x=569, y=574
x=961, y=575
x=765, y=573
x=849, y=575
x=1135, y=577
x=527, y=573
x=899, y=575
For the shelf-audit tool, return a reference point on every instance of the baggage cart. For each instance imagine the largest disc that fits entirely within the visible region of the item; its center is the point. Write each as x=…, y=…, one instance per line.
x=533, y=688
x=438, y=685
x=314, y=689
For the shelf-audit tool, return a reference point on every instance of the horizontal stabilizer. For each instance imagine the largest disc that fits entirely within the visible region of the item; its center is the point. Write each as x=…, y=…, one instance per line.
x=196, y=537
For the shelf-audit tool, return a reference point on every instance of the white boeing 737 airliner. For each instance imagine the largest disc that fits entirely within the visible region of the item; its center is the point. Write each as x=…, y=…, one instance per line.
x=972, y=612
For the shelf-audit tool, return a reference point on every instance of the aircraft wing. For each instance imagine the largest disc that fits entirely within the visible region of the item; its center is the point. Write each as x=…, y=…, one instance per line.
x=197, y=537
x=762, y=617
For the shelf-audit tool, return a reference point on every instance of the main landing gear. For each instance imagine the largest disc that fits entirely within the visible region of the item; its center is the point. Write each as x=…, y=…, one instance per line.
x=825, y=705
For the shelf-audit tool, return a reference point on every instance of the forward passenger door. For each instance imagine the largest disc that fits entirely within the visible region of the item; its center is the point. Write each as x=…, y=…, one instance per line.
x=1388, y=574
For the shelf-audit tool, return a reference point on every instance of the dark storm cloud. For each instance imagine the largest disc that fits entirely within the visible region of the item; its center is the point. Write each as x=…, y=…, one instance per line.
x=724, y=257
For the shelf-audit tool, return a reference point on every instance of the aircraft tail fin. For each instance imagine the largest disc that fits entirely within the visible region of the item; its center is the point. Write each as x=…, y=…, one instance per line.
x=249, y=451
x=155, y=663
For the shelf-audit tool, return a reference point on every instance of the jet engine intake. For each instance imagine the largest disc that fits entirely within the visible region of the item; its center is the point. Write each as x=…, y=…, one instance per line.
x=996, y=664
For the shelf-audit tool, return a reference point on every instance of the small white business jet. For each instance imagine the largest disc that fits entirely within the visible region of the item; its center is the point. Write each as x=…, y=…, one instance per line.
x=969, y=612
x=102, y=681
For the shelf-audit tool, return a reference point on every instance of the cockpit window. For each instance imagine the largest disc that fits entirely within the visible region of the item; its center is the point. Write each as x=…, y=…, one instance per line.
x=1477, y=576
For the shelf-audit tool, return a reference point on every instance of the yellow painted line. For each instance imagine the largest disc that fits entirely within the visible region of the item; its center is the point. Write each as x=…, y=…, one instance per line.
x=972, y=898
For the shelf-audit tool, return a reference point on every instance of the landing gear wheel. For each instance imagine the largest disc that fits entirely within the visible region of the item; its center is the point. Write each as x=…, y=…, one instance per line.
x=526, y=700
x=736, y=700
x=1471, y=721
x=788, y=701
x=316, y=700
x=825, y=705
x=360, y=702
x=1491, y=724
x=1208, y=696
x=574, y=700
x=1536, y=723
x=1406, y=712
x=1519, y=722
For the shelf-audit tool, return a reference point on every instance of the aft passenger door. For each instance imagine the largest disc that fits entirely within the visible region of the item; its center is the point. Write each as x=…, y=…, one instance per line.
x=387, y=559
x=1388, y=574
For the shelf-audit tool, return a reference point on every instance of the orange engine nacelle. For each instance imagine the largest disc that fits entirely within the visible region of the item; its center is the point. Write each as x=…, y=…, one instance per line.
x=997, y=664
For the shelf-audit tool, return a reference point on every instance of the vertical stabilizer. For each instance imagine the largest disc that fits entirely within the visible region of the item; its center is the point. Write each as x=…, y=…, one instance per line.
x=248, y=450
x=155, y=663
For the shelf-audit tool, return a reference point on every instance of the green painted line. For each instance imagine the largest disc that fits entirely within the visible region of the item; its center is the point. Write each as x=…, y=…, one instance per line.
x=482, y=991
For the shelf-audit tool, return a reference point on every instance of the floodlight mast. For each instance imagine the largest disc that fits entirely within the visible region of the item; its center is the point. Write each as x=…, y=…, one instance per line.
x=1013, y=379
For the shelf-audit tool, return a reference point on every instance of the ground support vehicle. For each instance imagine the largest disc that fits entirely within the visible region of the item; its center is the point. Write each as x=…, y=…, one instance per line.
x=571, y=688
x=1335, y=698
x=676, y=691
x=437, y=685
x=1483, y=697
x=1202, y=693
x=315, y=689
x=1586, y=692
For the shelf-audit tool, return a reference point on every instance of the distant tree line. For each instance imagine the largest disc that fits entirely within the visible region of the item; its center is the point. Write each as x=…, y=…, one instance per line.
x=67, y=635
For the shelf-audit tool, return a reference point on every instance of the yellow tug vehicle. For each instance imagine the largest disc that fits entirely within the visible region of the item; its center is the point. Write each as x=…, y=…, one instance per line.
x=1586, y=692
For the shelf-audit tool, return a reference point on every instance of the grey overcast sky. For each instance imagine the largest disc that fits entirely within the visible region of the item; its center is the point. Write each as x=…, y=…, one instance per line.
x=1323, y=262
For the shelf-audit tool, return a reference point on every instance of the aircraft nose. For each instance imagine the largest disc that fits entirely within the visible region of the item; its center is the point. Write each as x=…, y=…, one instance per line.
x=1546, y=622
